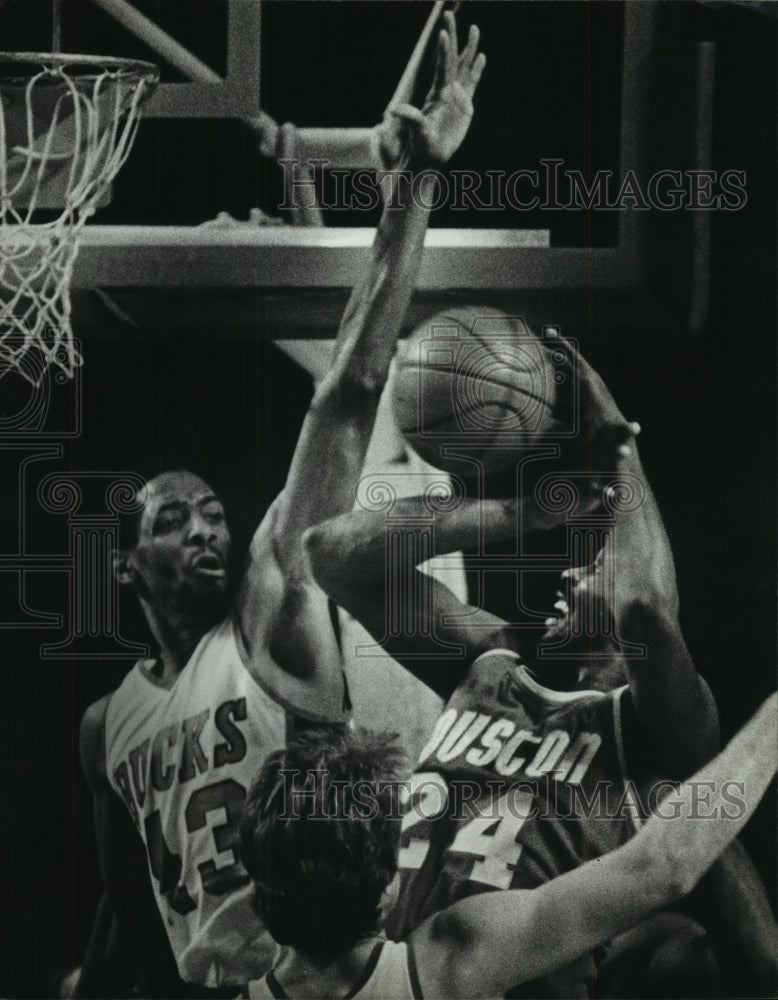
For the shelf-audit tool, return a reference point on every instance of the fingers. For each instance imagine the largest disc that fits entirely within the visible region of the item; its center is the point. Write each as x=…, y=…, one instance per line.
x=471, y=61
x=469, y=52
x=450, y=48
x=469, y=65
x=625, y=448
x=439, y=77
x=477, y=69
x=611, y=440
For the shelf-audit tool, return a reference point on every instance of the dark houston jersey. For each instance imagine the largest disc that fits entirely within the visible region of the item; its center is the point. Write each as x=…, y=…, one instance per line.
x=516, y=785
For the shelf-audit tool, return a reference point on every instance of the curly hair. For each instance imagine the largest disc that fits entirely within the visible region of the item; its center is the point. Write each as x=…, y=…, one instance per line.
x=319, y=837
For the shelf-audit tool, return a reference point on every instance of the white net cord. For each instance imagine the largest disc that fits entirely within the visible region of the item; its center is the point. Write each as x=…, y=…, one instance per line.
x=89, y=131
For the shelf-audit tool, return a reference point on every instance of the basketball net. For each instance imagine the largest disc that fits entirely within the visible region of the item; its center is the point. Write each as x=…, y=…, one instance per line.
x=67, y=121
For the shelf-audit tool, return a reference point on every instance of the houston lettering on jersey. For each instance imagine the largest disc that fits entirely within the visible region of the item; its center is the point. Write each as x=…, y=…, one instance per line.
x=479, y=740
x=176, y=754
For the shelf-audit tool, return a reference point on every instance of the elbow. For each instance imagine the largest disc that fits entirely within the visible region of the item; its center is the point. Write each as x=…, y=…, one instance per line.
x=346, y=390
x=679, y=875
x=327, y=551
x=320, y=548
x=663, y=869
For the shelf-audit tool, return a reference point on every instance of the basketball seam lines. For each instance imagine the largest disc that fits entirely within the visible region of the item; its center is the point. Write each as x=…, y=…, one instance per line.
x=464, y=412
x=446, y=369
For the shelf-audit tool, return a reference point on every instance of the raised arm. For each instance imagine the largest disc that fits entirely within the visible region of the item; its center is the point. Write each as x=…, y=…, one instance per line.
x=328, y=459
x=634, y=576
x=484, y=945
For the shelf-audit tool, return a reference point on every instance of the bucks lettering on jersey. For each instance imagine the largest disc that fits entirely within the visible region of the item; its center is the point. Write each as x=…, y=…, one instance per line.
x=516, y=785
x=182, y=758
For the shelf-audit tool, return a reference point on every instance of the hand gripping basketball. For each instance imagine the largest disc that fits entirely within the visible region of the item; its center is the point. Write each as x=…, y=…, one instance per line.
x=604, y=437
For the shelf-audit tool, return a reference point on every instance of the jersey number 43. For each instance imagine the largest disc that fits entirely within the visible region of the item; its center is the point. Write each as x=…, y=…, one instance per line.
x=166, y=866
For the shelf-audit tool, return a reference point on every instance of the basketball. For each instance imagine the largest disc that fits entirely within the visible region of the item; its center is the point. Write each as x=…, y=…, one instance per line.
x=475, y=387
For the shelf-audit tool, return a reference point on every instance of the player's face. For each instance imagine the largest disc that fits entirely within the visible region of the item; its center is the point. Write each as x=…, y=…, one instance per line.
x=581, y=613
x=183, y=545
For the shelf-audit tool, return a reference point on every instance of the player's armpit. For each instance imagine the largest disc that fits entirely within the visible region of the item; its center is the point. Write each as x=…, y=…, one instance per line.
x=286, y=628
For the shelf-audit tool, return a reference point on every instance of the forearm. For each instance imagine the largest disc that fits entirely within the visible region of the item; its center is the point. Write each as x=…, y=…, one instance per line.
x=371, y=324
x=643, y=556
x=104, y=968
x=355, y=545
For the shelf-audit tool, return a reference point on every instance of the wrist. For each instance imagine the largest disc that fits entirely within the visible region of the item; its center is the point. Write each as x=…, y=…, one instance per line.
x=412, y=189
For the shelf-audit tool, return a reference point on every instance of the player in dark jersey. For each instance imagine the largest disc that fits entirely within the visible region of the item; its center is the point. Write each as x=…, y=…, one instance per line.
x=176, y=741
x=320, y=836
x=565, y=773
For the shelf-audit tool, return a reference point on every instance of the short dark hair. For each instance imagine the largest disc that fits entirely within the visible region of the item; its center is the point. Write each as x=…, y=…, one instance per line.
x=319, y=837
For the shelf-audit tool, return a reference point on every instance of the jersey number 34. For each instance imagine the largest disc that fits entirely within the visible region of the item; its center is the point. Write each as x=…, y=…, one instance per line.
x=490, y=836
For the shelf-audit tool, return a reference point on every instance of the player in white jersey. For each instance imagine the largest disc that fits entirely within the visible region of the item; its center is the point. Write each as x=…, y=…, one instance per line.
x=184, y=734
x=628, y=595
x=320, y=838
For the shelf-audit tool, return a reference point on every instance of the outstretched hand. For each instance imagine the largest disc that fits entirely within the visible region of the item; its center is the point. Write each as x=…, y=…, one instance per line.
x=435, y=132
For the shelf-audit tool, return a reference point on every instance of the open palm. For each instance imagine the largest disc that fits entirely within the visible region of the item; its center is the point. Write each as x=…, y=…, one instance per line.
x=436, y=131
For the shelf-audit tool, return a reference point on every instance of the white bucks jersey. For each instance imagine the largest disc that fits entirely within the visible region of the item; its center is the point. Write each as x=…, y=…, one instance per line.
x=183, y=758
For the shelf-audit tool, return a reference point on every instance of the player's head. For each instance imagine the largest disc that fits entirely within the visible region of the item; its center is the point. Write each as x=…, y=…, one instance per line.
x=176, y=548
x=319, y=837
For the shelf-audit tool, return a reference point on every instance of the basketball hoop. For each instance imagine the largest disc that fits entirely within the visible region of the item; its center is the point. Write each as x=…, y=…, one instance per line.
x=67, y=123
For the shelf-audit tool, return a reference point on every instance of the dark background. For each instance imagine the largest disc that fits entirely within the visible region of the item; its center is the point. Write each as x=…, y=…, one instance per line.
x=231, y=408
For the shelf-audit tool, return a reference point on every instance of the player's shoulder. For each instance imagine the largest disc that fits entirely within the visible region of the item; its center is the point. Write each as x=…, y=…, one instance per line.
x=92, y=740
